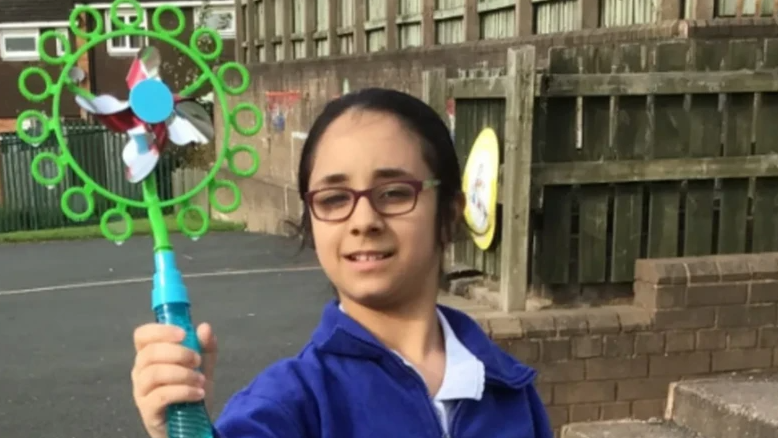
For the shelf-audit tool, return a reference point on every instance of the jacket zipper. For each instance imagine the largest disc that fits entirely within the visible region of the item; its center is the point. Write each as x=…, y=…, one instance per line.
x=430, y=408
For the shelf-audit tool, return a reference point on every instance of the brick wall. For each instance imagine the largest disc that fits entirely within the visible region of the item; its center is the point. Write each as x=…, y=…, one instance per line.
x=691, y=317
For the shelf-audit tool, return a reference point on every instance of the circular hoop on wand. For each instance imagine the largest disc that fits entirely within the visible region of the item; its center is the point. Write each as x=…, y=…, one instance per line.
x=152, y=118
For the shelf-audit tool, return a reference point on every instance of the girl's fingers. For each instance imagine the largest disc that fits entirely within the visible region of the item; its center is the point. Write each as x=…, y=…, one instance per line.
x=154, y=404
x=155, y=333
x=152, y=378
x=166, y=353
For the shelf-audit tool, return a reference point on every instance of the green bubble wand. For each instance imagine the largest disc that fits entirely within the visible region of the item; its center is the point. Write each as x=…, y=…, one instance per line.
x=151, y=117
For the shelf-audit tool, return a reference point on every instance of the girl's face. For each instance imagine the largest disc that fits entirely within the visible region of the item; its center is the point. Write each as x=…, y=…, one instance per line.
x=374, y=260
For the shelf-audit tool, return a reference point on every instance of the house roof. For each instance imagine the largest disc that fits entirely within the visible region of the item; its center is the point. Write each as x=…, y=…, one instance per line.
x=38, y=11
x=21, y=11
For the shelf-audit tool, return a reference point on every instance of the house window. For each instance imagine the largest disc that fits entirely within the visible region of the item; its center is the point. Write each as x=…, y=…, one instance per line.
x=60, y=46
x=19, y=45
x=126, y=44
x=221, y=19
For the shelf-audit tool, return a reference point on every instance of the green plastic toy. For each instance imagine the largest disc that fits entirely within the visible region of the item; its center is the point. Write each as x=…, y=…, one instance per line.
x=152, y=117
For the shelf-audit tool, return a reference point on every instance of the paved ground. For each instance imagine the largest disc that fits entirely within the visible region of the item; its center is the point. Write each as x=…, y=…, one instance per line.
x=66, y=352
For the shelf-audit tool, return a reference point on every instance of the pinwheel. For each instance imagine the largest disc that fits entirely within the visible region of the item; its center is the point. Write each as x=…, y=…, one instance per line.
x=151, y=116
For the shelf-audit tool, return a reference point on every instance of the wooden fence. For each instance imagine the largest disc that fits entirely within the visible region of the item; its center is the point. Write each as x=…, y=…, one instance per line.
x=25, y=205
x=622, y=152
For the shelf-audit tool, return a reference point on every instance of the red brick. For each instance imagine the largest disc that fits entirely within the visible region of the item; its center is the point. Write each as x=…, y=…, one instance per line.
x=741, y=338
x=616, y=368
x=697, y=362
x=555, y=350
x=557, y=415
x=756, y=315
x=538, y=324
x=733, y=268
x=584, y=392
x=703, y=270
x=614, y=411
x=648, y=409
x=768, y=337
x=764, y=266
x=571, y=323
x=634, y=319
x=660, y=271
x=738, y=360
x=527, y=351
x=505, y=327
x=622, y=345
x=649, y=342
x=641, y=389
x=698, y=295
x=677, y=341
x=697, y=318
x=584, y=412
x=603, y=320
x=651, y=296
x=765, y=291
x=570, y=371
x=711, y=339
x=587, y=346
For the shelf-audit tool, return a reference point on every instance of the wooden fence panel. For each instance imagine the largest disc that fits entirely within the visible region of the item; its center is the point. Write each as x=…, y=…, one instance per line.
x=765, y=225
x=631, y=134
x=561, y=139
x=705, y=128
x=638, y=150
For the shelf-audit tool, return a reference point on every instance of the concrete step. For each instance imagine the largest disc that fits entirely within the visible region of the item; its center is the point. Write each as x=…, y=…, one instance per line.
x=735, y=406
x=626, y=429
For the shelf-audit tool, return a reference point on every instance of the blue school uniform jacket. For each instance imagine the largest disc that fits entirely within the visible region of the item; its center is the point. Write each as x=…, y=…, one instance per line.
x=345, y=384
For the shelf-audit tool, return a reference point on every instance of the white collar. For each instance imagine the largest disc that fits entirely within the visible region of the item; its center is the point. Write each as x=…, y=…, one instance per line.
x=465, y=376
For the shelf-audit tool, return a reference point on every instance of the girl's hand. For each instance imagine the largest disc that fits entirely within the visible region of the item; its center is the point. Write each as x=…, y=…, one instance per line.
x=165, y=372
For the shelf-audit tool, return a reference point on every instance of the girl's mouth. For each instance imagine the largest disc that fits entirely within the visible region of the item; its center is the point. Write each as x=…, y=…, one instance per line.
x=368, y=256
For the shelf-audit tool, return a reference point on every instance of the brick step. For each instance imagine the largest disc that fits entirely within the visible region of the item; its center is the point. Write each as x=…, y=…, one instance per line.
x=737, y=406
x=626, y=429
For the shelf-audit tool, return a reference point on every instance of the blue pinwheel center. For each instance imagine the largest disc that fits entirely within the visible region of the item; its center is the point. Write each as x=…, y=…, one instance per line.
x=151, y=101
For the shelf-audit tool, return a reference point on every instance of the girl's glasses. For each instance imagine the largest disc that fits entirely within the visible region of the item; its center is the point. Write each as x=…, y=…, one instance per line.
x=389, y=199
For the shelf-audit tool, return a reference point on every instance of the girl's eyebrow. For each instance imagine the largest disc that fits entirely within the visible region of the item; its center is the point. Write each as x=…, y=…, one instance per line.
x=383, y=173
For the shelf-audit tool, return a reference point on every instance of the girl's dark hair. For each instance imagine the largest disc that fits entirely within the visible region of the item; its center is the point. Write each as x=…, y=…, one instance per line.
x=418, y=117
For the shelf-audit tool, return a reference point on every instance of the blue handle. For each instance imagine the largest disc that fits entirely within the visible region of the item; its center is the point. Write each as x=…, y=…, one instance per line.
x=171, y=306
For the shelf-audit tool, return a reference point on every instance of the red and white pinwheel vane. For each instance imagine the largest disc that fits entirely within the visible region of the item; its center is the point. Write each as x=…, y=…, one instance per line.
x=151, y=115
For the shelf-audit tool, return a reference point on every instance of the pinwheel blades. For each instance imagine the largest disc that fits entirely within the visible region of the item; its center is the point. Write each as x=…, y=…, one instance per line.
x=139, y=158
x=145, y=66
x=196, y=115
x=76, y=75
x=103, y=104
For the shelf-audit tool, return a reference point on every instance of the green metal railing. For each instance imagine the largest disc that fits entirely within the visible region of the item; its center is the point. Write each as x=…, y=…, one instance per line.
x=26, y=205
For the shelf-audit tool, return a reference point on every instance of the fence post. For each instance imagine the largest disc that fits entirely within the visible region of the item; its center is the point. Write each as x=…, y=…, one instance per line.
x=434, y=92
x=519, y=109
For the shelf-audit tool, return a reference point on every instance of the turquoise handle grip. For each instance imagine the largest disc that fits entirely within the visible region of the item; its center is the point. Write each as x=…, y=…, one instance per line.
x=185, y=420
x=170, y=303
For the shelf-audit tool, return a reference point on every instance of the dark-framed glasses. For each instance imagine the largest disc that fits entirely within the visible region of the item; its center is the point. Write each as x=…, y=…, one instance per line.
x=393, y=198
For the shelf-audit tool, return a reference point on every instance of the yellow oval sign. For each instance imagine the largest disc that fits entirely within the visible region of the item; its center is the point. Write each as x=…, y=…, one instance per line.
x=479, y=184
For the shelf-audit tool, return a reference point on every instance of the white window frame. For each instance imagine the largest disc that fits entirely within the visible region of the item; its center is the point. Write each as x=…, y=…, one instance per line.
x=125, y=12
x=66, y=33
x=226, y=33
x=5, y=55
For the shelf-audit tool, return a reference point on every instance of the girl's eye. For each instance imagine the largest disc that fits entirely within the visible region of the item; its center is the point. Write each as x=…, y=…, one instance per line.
x=332, y=199
x=398, y=192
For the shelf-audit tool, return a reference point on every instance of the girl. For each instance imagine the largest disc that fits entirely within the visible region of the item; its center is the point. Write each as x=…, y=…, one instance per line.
x=382, y=192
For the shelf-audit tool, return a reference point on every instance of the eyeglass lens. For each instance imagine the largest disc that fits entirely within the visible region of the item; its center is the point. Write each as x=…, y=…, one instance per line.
x=389, y=199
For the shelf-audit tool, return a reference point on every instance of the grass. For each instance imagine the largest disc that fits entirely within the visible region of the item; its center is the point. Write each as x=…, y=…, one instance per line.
x=140, y=227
